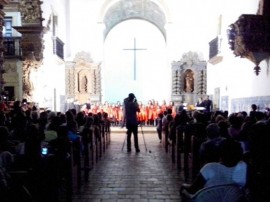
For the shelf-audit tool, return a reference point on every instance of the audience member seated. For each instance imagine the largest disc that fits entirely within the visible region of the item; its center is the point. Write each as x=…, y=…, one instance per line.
x=229, y=170
x=86, y=132
x=6, y=161
x=5, y=143
x=97, y=126
x=236, y=121
x=60, y=146
x=51, y=131
x=106, y=121
x=32, y=146
x=223, y=128
x=80, y=119
x=260, y=162
x=72, y=126
x=209, y=151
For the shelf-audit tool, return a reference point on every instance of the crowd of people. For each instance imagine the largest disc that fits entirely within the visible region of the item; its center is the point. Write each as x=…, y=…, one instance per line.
x=148, y=113
x=39, y=143
x=234, y=148
x=25, y=130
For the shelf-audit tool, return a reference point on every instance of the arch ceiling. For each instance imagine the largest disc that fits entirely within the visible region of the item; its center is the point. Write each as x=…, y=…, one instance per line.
x=134, y=9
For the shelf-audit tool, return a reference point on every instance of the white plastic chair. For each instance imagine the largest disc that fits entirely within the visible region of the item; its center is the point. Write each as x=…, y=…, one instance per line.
x=219, y=193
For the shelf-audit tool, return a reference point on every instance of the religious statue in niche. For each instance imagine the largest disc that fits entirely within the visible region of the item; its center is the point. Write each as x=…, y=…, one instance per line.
x=189, y=81
x=83, y=84
x=29, y=78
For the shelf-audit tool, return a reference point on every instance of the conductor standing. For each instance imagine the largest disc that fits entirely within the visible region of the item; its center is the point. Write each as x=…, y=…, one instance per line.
x=131, y=108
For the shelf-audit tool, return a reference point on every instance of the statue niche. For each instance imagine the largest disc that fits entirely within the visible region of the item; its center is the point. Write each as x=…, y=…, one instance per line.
x=189, y=81
x=83, y=79
x=82, y=82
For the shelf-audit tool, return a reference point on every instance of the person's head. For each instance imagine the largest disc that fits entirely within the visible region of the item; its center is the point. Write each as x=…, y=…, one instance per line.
x=131, y=97
x=212, y=130
x=235, y=120
x=230, y=152
x=89, y=121
x=169, y=111
x=219, y=118
x=253, y=107
x=62, y=131
x=160, y=115
x=198, y=116
x=96, y=119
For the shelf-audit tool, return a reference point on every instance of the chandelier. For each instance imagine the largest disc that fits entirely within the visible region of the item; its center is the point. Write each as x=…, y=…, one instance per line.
x=249, y=37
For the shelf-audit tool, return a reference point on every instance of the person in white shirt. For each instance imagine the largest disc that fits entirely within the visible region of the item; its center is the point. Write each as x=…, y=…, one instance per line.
x=229, y=170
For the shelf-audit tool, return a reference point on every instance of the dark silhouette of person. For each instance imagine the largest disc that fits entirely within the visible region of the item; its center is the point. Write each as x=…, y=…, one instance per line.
x=253, y=112
x=208, y=104
x=131, y=108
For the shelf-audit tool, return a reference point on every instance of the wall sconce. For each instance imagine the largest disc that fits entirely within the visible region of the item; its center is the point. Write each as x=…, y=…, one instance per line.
x=249, y=37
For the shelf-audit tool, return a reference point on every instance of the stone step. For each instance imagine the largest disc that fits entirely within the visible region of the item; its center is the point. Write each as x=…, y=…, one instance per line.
x=145, y=129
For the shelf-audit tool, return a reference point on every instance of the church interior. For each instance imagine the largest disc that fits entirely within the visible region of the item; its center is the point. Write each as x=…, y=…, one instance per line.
x=103, y=50
x=62, y=57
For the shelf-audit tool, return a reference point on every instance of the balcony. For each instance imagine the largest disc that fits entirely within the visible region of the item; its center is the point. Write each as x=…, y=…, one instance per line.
x=12, y=47
x=215, y=50
x=58, y=47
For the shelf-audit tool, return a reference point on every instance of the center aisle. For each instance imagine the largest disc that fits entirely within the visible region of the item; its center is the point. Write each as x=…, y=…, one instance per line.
x=148, y=176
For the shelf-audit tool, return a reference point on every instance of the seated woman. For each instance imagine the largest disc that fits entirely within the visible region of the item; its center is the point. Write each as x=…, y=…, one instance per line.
x=229, y=170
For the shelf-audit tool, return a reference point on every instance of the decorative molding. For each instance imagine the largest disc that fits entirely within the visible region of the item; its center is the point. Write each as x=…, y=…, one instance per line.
x=249, y=37
x=83, y=57
x=31, y=12
x=134, y=9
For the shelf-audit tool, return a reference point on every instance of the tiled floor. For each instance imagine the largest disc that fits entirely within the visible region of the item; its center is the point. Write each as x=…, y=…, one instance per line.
x=148, y=176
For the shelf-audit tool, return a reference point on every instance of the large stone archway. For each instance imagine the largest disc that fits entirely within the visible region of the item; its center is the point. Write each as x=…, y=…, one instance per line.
x=115, y=12
x=112, y=15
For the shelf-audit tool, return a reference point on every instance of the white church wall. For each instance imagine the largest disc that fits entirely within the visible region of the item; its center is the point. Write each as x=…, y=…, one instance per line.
x=191, y=26
x=153, y=73
x=52, y=72
x=236, y=74
x=86, y=32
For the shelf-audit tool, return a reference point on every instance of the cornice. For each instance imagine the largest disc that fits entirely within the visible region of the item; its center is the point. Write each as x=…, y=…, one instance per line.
x=29, y=29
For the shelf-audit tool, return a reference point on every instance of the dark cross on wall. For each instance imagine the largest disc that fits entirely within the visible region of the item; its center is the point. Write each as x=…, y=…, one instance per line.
x=134, y=49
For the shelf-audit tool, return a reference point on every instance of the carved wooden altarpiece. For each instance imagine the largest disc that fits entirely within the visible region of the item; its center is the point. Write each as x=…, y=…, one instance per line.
x=83, y=80
x=188, y=79
x=31, y=43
